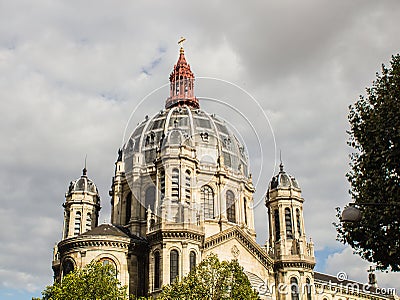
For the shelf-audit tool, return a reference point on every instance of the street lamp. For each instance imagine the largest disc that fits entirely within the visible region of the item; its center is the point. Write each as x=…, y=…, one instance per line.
x=352, y=214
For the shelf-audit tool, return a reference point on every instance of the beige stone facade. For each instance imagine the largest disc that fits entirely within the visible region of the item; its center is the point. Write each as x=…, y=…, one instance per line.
x=181, y=191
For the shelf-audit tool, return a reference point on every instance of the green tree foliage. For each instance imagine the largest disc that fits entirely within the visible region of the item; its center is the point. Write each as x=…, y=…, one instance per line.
x=93, y=282
x=375, y=171
x=212, y=279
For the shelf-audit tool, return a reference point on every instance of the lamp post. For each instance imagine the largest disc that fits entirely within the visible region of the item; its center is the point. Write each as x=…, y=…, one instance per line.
x=352, y=214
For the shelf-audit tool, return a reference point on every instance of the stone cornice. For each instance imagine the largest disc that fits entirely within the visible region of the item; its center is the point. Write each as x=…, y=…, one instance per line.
x=97, y=241
x=245, y=241
x=304, y=264
x=160, y=235
x=71, y=202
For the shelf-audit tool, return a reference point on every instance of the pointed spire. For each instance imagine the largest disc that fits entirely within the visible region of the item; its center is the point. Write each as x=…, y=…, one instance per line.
x=182, y=59
x=181, y=83
x=119, y=155
x=281, y=164
x=84, y=171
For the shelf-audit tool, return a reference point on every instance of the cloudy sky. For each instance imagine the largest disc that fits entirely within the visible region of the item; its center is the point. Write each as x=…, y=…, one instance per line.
x=73, y=72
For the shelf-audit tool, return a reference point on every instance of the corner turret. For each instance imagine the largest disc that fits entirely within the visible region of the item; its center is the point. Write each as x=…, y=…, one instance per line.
x=293, y=255
x=81, y=207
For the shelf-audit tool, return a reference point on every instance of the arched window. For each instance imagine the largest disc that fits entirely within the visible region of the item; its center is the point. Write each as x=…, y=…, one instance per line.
x=162, y=184
x=245, y=210
x=66, y=229
x=157, y=273
x=288, y=222
x=150, y=197
x=77, y=225
x=207, y=201
x=128, y=207
x=187, y=185
x=88, y=221
x=277, y=225
x=67, y=267
x=298, y=220
x=230, y=207
x=308, y=288
x=173, y=265
x=294, y=288
x=192, y=260
x=175, y=185
x=108, y=261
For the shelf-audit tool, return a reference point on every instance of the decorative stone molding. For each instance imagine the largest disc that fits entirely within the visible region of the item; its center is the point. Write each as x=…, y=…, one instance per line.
x=294, y=264
x=68, y=244
x=245, y=241
x=160, y=235
x=235, y=251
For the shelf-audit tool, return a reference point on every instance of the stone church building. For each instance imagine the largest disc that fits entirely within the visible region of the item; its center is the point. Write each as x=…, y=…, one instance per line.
x=181, y=190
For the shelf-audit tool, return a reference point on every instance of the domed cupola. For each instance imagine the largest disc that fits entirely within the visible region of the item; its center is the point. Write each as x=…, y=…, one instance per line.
x=282, y=185
x=83, y=185
x=209, y=135
x=81, y=207
x=283, y=180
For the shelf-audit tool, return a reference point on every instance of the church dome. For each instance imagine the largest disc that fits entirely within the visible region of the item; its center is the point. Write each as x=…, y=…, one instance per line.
x=283, y=180
x=188, y=126
x=83, y=185
x=183, y=123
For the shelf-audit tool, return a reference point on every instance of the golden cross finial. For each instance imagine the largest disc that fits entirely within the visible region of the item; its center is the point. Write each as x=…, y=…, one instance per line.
x=181, y=41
